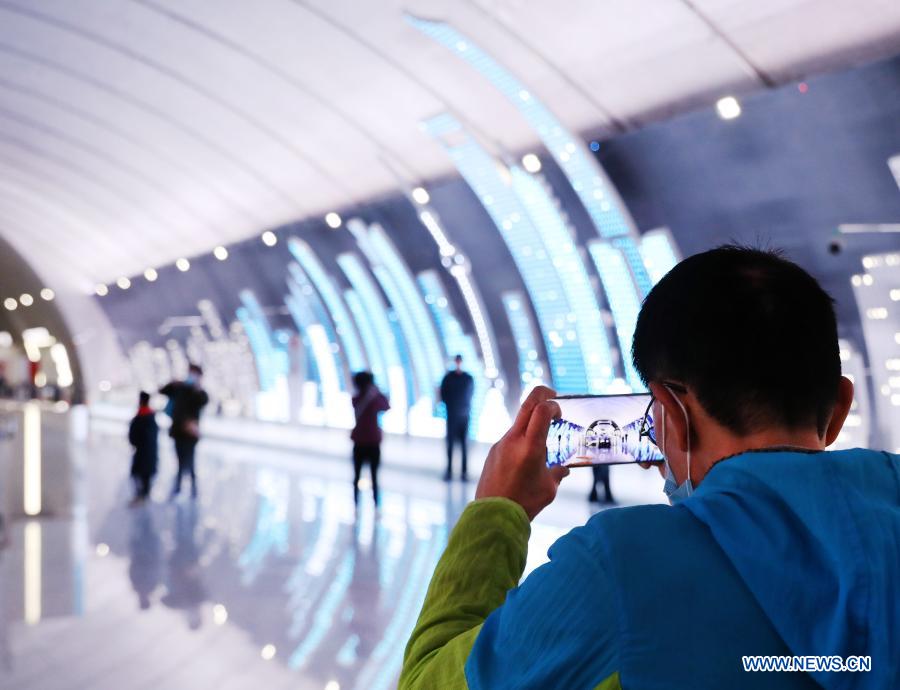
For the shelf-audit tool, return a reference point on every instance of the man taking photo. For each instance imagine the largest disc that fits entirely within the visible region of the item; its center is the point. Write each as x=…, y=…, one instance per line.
x=772, y=547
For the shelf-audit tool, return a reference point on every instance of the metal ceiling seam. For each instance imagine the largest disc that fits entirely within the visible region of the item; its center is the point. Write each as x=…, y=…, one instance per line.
x=145, y=209
x=161, y=114
x=186, y=82
x=37, y=241
x=35, y=180
x=65, y=163
x=88, y=116
x=24, y=211
x=397, y=67
x=614, y=123
x=381, y=147
x=749, y=66
x=148, y=180
x=104, y=224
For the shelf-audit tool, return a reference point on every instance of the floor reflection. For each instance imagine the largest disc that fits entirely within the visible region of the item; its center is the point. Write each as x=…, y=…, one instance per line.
x=271, y=578
x=145, y=556
x=185, y=590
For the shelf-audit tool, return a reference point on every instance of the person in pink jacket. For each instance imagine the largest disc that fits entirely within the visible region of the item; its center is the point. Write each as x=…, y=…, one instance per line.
x=368, y=403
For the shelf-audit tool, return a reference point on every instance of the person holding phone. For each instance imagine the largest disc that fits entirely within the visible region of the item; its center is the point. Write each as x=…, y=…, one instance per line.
x=772, y=546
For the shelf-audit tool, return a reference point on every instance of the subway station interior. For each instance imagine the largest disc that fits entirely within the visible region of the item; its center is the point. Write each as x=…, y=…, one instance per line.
x=287, y=192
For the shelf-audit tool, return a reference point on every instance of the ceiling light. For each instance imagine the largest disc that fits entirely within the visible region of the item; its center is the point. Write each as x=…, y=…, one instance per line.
x=531, y=163
x=728, y=107
x=421, y=196
x=220, y=253
x=333, y=220
x=151, y=274
x=123, y=283
x=26, y=300
x=220, y=614
x=101, y=290
x=268, y=652
x=47, y=294
x=10, y=303
x=269, y=239
x=182, y=264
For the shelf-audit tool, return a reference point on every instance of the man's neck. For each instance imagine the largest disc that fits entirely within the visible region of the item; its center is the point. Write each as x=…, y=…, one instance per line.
x=727, y=445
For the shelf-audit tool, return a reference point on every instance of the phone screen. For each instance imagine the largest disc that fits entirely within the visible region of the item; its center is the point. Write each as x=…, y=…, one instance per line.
x=600, y=430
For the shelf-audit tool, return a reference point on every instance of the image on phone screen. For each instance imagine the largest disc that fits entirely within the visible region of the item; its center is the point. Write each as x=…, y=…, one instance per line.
x=601, y=430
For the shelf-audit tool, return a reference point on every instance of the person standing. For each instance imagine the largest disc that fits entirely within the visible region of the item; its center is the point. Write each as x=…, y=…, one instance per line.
x=186, y=400
x=366, y=435
x=601, y=475
x=456, y=394
x=143, y=433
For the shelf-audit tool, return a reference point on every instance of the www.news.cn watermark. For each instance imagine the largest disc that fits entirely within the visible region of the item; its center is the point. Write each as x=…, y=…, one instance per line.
x=807, y=664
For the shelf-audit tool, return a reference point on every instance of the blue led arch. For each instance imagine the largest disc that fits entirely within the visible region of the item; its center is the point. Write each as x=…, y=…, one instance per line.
x=623, y=300
x=271, y=357
x=414, y=306
x=531, y=371
x=415, y=328
x=455, y=340
x=543, y=280
x=558, y=239
x=324, y=285
x=597, y=194
x=304, y=299
x=370, y=342
x=399, y=374
x=659, y=253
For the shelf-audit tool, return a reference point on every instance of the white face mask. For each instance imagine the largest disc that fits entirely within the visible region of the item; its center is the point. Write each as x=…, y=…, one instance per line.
x=674, y=491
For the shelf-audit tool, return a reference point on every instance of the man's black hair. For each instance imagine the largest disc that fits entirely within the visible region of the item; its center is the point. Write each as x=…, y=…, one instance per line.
x=144, y=399
x=362, y=380
x=195, y=369
x=753, y=335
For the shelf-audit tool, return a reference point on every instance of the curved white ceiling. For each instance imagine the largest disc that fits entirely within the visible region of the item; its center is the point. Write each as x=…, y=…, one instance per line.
x=137, y=131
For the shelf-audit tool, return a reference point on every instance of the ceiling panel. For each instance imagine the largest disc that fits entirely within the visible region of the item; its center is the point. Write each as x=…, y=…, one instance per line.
x=135, y=132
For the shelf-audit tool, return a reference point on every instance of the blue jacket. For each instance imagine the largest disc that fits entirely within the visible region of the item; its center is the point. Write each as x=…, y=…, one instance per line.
x=776, y=553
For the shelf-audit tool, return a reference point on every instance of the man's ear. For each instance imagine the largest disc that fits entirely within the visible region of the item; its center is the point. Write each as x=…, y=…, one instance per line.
x=841, y=410
x=676, y=424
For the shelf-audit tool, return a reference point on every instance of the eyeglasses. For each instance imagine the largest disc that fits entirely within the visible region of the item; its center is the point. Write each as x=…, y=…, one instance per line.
x=647, y=428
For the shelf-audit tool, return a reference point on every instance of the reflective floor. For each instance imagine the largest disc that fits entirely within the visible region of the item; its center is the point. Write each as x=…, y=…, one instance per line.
x=270, y=579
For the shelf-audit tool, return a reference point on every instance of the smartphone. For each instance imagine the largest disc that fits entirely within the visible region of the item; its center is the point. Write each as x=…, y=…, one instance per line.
x=601, y=430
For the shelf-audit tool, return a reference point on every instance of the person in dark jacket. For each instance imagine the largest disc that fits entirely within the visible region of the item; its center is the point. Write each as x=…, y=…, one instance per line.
x=142, y=434
x=601, y=476
x=366, y=435
x=186, y=401
x=456, y=394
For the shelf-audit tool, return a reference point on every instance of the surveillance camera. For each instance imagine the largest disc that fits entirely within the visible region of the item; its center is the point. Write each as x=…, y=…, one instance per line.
x=835, y=247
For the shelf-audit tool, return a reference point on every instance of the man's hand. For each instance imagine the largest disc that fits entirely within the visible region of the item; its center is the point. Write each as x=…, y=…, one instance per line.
x=516, y=467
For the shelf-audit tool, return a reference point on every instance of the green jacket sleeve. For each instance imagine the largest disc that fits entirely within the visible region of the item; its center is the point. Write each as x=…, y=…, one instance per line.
x=484, y=559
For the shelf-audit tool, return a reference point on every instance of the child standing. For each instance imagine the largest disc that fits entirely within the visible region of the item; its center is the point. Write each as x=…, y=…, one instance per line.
x=142, y=434
x=366, y=435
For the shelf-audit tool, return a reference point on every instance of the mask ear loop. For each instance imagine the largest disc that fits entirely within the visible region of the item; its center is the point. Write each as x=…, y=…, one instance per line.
x=687, y=419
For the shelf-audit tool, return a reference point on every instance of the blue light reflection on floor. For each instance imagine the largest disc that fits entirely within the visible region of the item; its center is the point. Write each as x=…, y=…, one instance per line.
x=273, y=559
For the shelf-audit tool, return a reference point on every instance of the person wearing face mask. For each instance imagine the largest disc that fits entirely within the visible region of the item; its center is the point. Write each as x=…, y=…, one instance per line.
x=186, y=401
x=772, y=545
